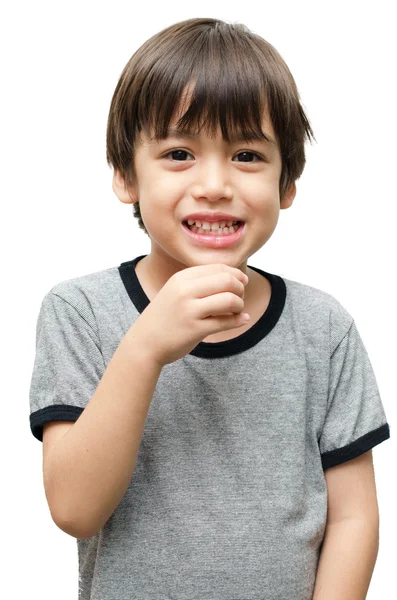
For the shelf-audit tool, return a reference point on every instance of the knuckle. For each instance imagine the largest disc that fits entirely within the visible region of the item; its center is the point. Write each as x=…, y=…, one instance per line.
x=233, y=299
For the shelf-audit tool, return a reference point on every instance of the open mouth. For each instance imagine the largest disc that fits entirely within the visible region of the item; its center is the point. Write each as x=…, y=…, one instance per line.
x=224, y=237
x=225, y=230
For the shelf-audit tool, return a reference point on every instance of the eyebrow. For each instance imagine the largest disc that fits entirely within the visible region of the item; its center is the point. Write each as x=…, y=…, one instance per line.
x=177, y=133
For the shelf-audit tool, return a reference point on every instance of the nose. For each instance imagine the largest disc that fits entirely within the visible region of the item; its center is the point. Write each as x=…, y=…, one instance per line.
x=213, y=181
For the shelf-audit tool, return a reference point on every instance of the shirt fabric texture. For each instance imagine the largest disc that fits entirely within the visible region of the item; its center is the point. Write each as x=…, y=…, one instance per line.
x=228, y=499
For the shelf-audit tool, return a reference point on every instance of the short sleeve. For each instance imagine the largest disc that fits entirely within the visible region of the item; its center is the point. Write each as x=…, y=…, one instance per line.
x=68, y=364
x=355, y=420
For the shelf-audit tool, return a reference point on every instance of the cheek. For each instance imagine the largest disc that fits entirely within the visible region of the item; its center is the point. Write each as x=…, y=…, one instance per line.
x=159, y=220
x=266, y=203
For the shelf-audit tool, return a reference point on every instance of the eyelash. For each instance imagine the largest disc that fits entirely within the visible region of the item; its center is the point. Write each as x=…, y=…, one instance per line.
x=260, y=159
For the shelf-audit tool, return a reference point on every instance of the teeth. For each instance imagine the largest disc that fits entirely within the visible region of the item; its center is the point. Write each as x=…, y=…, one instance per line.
x=223, y=228
x=211, y=226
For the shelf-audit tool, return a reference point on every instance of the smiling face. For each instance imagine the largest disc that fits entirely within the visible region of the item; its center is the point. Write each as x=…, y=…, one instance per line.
x=178, y=176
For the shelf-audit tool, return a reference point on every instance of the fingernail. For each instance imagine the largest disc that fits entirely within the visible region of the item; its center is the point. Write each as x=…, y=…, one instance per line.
x=246, y=278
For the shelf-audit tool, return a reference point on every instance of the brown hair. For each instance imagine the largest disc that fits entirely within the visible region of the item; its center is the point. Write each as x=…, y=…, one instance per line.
x=235, y=73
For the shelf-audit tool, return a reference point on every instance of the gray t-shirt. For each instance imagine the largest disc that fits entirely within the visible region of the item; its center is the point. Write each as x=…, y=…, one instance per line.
x=228, y=499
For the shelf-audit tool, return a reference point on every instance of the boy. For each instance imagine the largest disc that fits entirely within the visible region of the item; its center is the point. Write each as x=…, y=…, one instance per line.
x=192, y=453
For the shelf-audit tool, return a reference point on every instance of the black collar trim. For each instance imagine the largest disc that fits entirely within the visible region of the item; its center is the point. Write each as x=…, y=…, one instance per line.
x=246, y=340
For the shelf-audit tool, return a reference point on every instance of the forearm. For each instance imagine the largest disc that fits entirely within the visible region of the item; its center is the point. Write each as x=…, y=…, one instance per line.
x=347, y=560
x=92, y=465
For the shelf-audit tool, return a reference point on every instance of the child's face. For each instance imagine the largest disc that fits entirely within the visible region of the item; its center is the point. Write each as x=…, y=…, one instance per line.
x=205, y=175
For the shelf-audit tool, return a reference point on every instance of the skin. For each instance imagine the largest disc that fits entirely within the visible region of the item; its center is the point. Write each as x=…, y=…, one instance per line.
x=208, y=175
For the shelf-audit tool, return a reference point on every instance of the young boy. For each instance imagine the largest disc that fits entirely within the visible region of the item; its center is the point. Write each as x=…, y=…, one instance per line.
x=192, y=453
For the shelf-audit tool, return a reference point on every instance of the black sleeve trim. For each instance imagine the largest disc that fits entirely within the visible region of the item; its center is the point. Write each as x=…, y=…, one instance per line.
x=363, y=444
x=56, y=412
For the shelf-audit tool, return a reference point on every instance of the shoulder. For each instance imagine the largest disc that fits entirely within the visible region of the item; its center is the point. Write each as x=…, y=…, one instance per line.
x=77, y=299
x=80, y=291
x=85, y=285
x=316, y=308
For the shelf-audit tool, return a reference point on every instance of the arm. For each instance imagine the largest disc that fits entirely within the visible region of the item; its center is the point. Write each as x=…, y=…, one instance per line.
x=91, y=466
x=351, y=539
x=347, y=560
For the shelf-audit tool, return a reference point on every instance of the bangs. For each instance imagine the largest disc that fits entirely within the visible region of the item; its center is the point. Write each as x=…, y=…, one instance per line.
x=210, y=87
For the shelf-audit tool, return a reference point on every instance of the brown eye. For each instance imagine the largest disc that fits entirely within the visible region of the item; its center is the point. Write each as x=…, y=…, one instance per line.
x=178, y=153
x=248, y=153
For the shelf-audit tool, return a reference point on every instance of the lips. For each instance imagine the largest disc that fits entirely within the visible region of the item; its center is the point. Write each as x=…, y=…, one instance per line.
x=216, y=241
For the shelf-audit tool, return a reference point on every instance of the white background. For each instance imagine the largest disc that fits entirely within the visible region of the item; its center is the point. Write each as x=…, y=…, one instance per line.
x=60, y=218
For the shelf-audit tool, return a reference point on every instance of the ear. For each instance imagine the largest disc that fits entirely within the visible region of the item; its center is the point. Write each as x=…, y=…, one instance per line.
x=289, y=196
x=119, y=188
